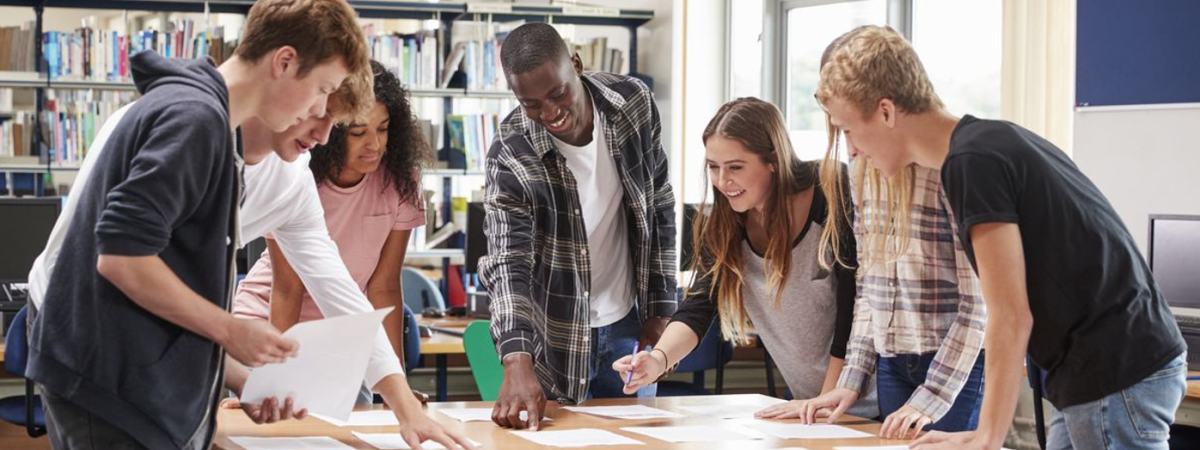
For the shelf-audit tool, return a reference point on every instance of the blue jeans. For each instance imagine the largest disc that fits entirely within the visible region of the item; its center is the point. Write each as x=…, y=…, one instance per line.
x=1138, y=417
x=610, y=343
x=899, y=376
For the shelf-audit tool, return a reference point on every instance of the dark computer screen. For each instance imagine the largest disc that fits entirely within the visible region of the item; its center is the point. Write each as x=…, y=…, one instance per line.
x=476, y=241
x=25, y=225
x=1174, y=254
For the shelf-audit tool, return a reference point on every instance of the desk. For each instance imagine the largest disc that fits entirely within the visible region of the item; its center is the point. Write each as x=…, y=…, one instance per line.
x=235, y=423
x=442, y=344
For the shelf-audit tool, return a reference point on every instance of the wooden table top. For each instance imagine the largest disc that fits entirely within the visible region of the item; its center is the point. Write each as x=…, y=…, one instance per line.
x=442, y=343
x=1193, y=387
x=235, y=423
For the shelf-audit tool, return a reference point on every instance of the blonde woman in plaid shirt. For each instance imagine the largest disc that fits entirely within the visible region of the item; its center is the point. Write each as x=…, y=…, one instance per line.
x=919, y=317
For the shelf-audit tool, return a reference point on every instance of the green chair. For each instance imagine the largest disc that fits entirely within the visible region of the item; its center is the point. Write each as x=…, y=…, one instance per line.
x=484, y=361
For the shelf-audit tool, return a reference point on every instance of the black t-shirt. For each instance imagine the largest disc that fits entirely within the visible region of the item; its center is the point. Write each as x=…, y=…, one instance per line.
x=1100, y=323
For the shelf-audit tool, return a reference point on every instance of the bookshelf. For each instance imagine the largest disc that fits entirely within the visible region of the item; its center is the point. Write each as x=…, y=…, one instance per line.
x=445, y=14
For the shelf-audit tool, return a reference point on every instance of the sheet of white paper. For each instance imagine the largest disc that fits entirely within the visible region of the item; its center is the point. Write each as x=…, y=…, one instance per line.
x=378, y=418
x=290, y=443
x=477, y=414
x=783, y=430
x=393, y=441
x=327, y=372
x=473, y=414
x=696, y=433
x=631, y=412
x=583, y=437
x=724, y=411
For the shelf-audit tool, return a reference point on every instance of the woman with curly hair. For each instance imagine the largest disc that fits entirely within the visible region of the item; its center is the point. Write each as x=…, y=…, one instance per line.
x=368, y=181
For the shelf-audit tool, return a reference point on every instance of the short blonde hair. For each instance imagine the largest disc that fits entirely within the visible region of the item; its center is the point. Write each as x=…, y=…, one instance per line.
x=871, y=63
x=354, y=98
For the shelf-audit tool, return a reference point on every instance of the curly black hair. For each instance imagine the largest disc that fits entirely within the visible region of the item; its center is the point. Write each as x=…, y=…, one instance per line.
x=406, y=152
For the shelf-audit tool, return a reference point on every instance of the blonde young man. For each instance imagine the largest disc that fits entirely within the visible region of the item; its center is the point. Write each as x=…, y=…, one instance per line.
x=133, y=289
x=1061, y=277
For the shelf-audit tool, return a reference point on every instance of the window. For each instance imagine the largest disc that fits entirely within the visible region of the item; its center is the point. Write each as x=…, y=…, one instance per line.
x=960, y=44
x=809, y=30
x=745, y=48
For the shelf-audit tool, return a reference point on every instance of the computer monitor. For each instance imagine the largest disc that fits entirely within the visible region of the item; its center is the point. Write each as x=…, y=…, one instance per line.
x=1174, y=255
x=476, y=241
x=25, y=225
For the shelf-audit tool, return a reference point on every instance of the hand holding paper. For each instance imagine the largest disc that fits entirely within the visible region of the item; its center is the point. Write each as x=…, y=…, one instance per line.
x=326, y=373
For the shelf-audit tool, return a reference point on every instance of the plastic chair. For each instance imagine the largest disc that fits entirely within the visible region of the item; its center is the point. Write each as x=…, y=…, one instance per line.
x=484, y=361
x=24, y=410
x=712, y=353
x=411, y=341
x=420, y=292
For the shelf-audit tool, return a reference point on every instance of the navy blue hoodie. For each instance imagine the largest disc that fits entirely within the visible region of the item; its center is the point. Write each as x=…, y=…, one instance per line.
x=166, y=183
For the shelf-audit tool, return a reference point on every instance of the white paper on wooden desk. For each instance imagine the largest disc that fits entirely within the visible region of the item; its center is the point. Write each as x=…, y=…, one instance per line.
x=478, y=414
x=327, y=372
x=376, y=418
x=290, y=443
x=630, y=412
x=582, y=437
x=697, y=433
x=393, y=441
x=796, y=430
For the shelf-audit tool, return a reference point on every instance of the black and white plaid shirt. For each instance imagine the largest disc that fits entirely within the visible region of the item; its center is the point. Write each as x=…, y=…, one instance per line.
x=538, y=272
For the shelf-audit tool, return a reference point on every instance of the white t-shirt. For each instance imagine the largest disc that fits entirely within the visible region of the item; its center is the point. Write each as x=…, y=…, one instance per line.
x=282, y=199
x=601, y=199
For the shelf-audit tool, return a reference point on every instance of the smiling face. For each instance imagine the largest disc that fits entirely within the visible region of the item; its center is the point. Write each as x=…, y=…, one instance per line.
x=553, y=96
x=738, y=174
x=291, y=99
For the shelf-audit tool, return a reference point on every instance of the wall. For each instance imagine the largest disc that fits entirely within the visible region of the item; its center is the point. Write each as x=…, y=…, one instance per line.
x=1144, y=153
x=1144, y=160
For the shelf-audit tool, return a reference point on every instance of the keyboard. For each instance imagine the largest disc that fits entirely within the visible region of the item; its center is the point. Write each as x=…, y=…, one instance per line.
x=1188, y=321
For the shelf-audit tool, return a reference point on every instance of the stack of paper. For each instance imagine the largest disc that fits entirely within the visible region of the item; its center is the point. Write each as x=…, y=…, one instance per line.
x=632, y=412
x=393, y=441
x=694, y=433
x=377, y=418
x=290, y=443
x=583, y=437
x=793, y=430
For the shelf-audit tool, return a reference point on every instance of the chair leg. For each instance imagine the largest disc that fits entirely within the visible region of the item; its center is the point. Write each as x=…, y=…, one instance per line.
x=1039, y=415
x=31, y=428
x=720, y=387
x=770, y=370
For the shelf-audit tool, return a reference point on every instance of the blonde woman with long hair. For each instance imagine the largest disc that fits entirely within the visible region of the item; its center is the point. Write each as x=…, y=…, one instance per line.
x=759, y=260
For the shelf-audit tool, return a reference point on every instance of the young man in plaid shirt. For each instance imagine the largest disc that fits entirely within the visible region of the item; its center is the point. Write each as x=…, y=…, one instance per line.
x=580, y=226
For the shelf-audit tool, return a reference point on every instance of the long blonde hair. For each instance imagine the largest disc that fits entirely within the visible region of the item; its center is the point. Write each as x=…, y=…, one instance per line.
x=718, y=235
x=864, y=66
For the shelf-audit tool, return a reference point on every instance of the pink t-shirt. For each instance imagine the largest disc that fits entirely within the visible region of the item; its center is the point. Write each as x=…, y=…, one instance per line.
x=360, y=219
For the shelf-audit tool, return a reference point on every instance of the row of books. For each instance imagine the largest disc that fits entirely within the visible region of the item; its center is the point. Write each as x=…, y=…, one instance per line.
x=412, y=57
x=73, y=117
x=16, y=48
x=99, y=55
x=470, y=136
x=598, y=57
x=15, y=135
